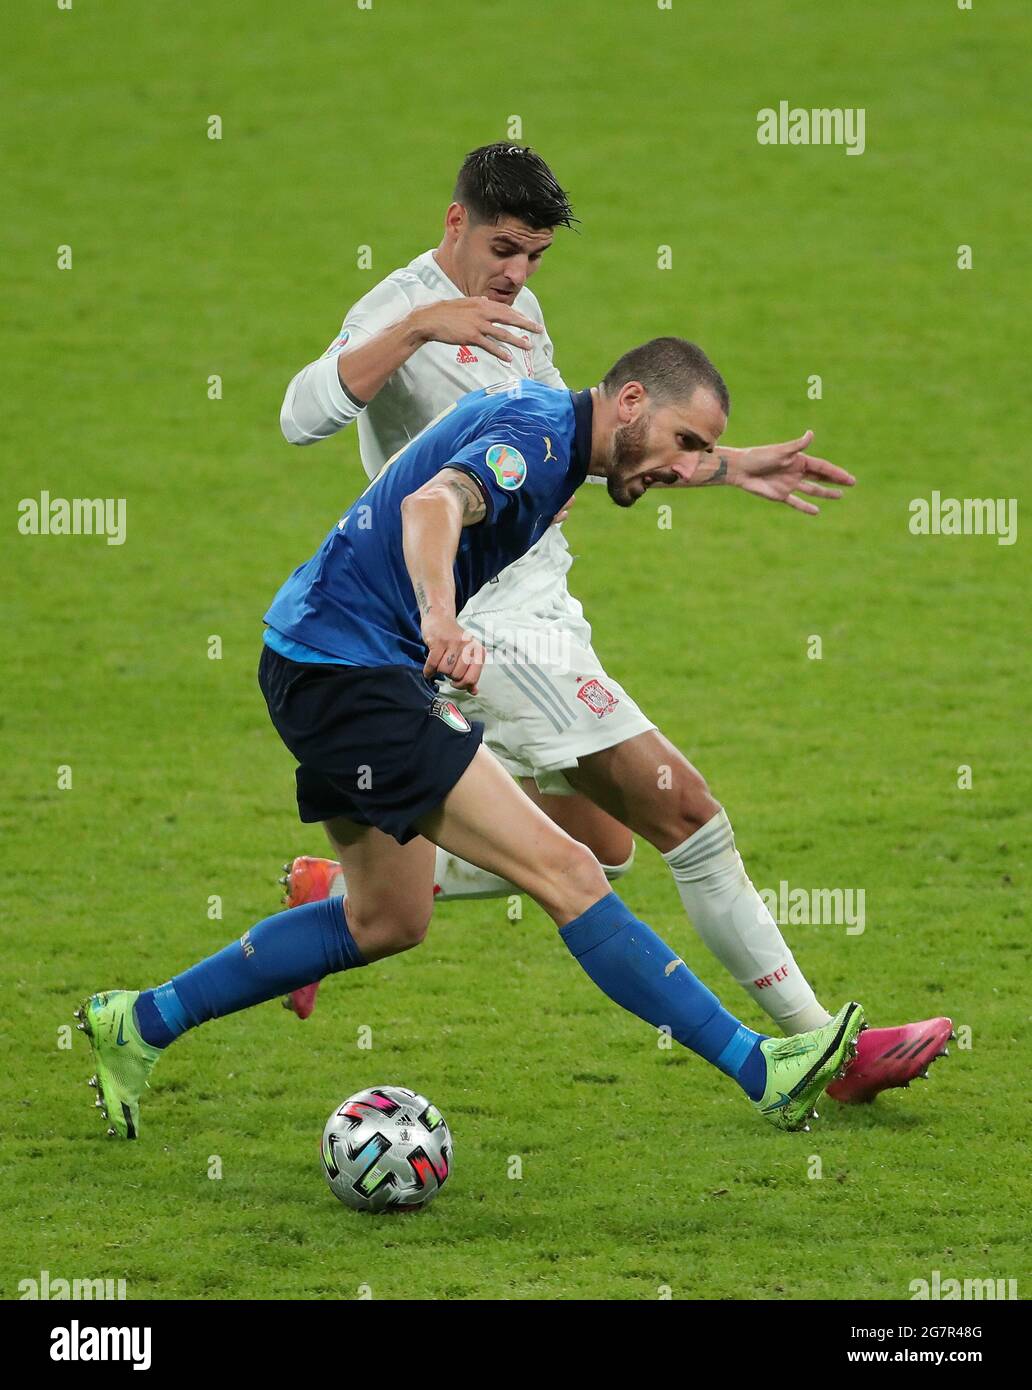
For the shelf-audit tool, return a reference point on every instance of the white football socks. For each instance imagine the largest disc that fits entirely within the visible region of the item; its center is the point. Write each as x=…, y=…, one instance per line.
x=734, y=923
x=455, y=878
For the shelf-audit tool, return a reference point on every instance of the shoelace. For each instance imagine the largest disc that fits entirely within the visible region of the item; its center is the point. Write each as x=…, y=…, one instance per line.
x=795, y=1049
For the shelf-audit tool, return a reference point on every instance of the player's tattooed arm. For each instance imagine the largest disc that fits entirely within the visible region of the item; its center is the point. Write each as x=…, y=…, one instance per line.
x=713, y=469
x=469, y=493
x=779, y=472
x=432, y=521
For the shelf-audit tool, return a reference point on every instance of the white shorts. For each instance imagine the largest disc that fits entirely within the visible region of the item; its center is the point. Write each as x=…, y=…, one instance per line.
x=544, y=698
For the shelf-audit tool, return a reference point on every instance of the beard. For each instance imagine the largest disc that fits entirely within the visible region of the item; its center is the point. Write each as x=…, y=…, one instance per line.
x=630, y=444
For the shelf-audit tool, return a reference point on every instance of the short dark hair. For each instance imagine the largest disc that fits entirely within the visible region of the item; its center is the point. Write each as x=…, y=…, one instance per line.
x=504, y=180
x=670, y=369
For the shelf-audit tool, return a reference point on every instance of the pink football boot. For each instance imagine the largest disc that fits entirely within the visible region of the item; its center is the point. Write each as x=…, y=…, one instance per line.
x=888, y=1057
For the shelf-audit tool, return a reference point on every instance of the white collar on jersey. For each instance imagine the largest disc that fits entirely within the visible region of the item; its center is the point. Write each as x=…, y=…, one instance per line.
x=433, y=277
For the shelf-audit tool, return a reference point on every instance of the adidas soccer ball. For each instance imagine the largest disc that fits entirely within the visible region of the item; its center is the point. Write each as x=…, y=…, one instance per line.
x=386, y=1149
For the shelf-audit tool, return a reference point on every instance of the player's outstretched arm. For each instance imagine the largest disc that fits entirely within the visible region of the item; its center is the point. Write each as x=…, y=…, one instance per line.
x=432, y=520
x=773, y=471
x=778, y=471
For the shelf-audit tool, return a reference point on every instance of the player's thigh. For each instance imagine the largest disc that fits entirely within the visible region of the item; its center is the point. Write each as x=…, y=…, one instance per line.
x=647, y=783
x=487, y=820
x=610, y=842
x=390, y=893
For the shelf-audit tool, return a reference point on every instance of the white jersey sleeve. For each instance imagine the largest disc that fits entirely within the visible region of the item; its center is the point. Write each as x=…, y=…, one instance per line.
x=316, y=405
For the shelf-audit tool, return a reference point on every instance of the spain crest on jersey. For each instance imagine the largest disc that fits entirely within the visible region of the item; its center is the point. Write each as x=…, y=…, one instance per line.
x=597, y=698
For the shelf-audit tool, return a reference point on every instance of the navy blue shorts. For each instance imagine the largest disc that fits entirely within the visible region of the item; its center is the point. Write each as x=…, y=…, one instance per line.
x=376, y=744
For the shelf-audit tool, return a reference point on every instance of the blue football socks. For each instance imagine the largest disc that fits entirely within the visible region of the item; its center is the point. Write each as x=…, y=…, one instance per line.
x=624, y=957
x=278, y=955
x=629, y=962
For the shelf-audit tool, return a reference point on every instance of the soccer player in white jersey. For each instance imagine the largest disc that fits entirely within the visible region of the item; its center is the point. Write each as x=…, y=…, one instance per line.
x=461, y=317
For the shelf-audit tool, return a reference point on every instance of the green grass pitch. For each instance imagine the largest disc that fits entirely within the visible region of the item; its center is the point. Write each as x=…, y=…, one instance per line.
x=644, y=1174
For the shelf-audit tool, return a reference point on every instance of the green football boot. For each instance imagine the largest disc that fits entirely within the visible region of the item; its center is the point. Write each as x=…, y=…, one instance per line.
x=122, y=1058
x=799, y=1068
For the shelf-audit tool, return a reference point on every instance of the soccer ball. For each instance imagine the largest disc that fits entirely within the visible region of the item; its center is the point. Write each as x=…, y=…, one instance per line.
x=386, y=1149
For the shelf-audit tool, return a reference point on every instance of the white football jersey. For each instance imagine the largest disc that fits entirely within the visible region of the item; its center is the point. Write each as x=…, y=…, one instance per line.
x=433, y=378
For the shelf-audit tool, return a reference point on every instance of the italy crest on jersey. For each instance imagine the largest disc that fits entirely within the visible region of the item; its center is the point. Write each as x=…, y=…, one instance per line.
x=508, y=465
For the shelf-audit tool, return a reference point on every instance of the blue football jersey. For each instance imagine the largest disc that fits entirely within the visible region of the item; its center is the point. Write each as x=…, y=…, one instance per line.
x=527, y=444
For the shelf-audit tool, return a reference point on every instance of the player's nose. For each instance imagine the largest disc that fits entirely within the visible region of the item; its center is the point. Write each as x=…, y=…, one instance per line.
x=685, y=470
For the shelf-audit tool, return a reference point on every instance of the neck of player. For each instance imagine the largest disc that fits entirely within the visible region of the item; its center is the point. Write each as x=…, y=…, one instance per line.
x=603, y=423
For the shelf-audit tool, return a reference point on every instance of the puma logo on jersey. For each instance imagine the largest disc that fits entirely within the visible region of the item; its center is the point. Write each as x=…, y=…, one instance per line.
x=466, y=357
x=548, y=446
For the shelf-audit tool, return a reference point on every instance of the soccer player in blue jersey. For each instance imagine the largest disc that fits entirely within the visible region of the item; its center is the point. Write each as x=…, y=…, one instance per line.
x=356, y=637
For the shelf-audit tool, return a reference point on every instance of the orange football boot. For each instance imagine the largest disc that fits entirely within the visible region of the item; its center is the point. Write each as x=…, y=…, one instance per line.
x=307, y=880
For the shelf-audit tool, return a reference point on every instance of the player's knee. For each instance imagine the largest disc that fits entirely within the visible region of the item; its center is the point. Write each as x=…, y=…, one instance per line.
x=390, y=927
x=573, y=876
x=410, y=930
x=615, y=871
x=685, y=806
x=699, y=804
x=613, y=847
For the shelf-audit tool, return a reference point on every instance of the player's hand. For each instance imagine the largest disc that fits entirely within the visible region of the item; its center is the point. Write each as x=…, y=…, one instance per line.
x=564, y=511
x=474, y=323
x=778, y=471
x=452, y=653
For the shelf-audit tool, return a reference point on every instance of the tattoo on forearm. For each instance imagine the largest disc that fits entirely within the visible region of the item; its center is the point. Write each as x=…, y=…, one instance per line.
x=719, y=473
x=422, y=600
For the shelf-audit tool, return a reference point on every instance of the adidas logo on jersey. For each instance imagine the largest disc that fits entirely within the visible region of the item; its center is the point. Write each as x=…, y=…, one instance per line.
x=466, y=356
